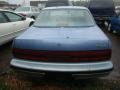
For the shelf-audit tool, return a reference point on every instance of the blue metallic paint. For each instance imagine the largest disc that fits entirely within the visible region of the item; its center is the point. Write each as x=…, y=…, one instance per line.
x=63, y=39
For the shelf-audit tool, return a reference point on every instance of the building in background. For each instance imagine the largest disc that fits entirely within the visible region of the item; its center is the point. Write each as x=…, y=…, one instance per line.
x=6, y=5
x=40, y=3
x=3, y=4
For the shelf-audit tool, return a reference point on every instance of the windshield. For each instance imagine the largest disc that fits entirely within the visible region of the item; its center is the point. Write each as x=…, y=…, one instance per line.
x=64, y=18
x=23, y=9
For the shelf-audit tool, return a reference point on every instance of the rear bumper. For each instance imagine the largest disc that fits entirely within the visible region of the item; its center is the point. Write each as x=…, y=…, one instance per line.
x=86, y=70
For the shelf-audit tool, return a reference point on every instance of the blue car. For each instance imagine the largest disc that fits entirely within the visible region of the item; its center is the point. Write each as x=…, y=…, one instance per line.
x=115, y=24
x=63, y=41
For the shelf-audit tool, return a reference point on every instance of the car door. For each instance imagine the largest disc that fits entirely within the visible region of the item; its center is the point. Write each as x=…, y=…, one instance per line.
x=6, y=29
x=18, y=21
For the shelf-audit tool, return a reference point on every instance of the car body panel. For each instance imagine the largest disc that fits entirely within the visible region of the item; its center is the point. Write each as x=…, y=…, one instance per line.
x=62, y=39
x=6, y=29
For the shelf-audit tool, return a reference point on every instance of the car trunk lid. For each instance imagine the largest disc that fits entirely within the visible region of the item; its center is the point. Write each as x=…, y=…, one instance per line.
x=67, y=39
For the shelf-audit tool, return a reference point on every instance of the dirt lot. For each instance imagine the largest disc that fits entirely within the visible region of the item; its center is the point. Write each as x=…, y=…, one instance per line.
x=10, y=81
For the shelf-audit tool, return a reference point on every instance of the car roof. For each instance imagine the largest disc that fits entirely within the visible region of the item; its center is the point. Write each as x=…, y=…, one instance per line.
x=66, y=7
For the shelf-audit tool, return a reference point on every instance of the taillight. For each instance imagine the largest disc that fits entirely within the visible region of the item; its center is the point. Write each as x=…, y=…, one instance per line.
x=63, y=56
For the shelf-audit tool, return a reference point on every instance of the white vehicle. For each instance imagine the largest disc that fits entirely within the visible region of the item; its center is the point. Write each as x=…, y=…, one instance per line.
x=11, y=25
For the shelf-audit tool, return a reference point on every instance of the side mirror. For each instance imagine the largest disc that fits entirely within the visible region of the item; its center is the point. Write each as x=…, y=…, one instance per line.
x=23, y=18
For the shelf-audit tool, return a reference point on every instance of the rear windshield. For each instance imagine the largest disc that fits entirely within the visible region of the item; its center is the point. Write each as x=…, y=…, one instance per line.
x=64, y=18
x=22, y=9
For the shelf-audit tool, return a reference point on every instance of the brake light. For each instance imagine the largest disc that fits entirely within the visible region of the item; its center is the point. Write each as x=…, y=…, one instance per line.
x=63, y=56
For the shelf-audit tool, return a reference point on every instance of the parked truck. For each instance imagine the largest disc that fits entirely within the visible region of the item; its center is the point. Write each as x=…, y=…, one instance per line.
x=102, y=10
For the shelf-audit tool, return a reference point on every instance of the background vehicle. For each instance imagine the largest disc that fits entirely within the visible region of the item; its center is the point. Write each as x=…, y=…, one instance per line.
x=29, y=11
x=12, y=25
x=66, y=42
x=102, y=10
x=115, y=24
